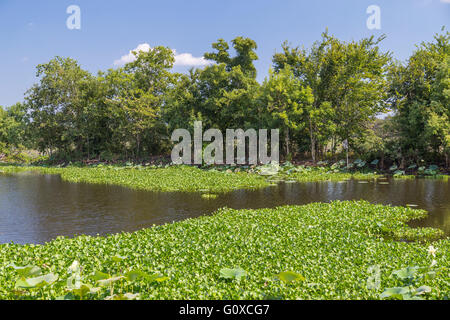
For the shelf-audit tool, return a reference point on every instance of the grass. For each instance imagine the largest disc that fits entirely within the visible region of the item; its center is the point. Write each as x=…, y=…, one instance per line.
x=316, y=251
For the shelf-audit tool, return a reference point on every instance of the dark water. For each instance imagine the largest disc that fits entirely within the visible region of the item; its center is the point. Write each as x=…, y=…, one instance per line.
x=37, y=208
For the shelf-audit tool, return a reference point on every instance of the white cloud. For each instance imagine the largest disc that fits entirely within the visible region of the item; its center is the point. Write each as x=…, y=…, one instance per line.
x=143, y=47
x=187, y=59
x=182, y=59
x=445, y=1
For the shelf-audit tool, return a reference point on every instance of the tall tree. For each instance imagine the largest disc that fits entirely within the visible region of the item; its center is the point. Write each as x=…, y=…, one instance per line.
x=437, y=128
x=139, y=92
x=226, y=91
x=57, y=105
x=245, y=55
x=286, y=101
x=419, y=97
x=347, y=80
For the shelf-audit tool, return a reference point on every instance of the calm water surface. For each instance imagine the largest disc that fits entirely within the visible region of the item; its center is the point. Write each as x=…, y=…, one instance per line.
x=37, y=208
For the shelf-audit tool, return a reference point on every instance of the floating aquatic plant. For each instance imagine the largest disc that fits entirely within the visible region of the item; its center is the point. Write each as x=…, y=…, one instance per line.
x=329, y=247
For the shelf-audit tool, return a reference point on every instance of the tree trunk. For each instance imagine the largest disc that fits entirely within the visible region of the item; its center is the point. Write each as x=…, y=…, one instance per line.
x=346, y=151
x=88, y=151
x=447, y=160
x=313, y=142
x=333, y=150
x=402, y=163
x=287, y=142
x=138, y=146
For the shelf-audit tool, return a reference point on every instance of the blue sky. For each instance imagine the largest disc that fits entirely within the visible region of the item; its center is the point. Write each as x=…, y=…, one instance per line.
x=33, y=32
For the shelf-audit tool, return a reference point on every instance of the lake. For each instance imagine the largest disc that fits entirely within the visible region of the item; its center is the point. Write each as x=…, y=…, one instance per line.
x=36, y=208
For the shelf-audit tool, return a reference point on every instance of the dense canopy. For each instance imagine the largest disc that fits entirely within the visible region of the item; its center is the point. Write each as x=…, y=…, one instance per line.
x=318, y=97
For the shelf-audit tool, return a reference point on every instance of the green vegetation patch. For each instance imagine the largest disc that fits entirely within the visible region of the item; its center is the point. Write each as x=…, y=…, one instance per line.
x=192, y=179
x=324, y=172
x=339, y=250
x=173, y=178
x=405, y=177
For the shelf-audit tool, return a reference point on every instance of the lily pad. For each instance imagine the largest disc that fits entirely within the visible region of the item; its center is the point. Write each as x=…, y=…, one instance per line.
x=237, y=273
x=290, y=276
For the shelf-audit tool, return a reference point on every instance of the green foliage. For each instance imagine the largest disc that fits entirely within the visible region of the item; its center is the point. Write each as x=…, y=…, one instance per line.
x=232, y=274
x=12, y=130
x=209, y=196
x=192, y=179
x=78, y=286
x=348, y=85
x=319, y=98
x=222, y=95
x=37, y=282
x=335, y=172
x=420, y=97
x=285, y=101
x=140, y=90
x=409, y=277
x=169, y=179
x=329, y=246
x=245, y=55
x=290, y=277
x=78, y=115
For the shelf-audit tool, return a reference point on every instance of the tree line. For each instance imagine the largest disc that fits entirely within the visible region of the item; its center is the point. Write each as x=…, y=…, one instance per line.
x=319, y=97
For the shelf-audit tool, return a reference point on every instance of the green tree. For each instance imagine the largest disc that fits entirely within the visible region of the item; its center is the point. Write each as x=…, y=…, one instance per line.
x=380, y=142
x=140, y=91
x=58, y=106
x=13, y=135
x=183, y=101
x=223, y=95
x=348, y=83
x=419, y=97
x=245, y=55
x=286, y=100
x=437, y=127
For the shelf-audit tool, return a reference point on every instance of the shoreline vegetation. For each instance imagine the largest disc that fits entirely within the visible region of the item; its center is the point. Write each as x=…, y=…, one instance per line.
x=325, y=99
x=338, y=250
x=215, y=179
x=165, y=178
